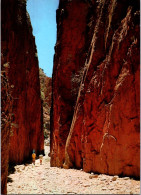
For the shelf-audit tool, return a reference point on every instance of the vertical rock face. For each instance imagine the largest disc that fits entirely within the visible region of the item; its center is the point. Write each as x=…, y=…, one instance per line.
x=69, y=60
x=6, y=117
x=98, y=129
x=19, y=52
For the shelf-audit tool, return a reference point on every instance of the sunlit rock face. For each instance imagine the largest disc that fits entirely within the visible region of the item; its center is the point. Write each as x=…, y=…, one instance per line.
x=69, y=62
x=95, y=122
x=19, y=51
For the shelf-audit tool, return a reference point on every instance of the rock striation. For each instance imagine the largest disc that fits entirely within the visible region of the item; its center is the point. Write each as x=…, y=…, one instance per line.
x=19, y=52
x=96, y=84
x=69, y=59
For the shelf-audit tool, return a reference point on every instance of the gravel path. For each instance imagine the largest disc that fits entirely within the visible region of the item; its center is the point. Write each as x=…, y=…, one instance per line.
x=43, y=179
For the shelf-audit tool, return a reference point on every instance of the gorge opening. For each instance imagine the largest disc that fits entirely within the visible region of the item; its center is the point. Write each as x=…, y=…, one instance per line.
x=95, y=135
x=43, y=20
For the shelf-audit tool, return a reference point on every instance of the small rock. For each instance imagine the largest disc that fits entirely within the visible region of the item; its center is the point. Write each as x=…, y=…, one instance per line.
x=87, y=185
x=104, y=188
x=103, y=179
x=43, y=178
x=93, y=176
x=126, y=178
x=115, y=178
x=111, y=188
x=23, y=168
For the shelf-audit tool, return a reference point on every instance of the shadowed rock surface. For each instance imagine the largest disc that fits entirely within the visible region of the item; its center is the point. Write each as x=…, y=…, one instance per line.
x=6, y=118
x=95, y=125
x=20, y=54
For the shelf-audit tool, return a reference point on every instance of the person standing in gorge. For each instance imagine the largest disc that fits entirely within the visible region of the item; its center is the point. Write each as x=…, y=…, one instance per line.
x=33, y=157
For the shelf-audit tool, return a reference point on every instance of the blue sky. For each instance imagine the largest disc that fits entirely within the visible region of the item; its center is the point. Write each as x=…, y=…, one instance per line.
x=43, y=18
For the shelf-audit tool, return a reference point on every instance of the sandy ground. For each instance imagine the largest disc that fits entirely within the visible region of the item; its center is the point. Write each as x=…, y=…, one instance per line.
x=43, y=179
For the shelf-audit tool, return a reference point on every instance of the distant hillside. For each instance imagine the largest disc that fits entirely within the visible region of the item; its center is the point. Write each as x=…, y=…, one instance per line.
x=46, y=91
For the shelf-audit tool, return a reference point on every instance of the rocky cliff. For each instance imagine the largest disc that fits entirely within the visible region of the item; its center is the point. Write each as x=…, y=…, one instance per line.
x=96, y=78
x=19, y=52
x=69, y=59
x=6, y=122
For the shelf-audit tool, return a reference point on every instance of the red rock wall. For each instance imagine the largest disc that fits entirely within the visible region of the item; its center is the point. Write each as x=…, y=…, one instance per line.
x=104, y=135
x=69, y=60
x=6, y=118
x=20, y=52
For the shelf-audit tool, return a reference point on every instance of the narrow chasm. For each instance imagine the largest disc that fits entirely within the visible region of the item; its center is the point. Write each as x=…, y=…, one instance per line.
x=74, y=130
x=46, y=98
